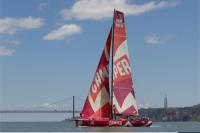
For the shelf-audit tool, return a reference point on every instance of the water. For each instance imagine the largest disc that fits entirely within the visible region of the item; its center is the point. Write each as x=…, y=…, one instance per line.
x=69, y=126
x=33, y=117
x=45, y=122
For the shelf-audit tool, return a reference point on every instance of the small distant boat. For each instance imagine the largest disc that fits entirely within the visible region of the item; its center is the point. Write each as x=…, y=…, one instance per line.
x=114, y=105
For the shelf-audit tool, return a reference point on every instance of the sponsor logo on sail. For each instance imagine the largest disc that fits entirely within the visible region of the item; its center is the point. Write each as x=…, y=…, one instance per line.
x=121, y=68
x=99, y=78
x=119, y=21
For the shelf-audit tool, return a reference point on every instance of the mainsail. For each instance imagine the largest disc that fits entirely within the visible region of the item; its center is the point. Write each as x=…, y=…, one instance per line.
x=97, y=104
x=123, y=91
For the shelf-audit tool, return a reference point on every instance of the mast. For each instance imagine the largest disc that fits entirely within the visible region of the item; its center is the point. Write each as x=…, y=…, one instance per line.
x=112, y=49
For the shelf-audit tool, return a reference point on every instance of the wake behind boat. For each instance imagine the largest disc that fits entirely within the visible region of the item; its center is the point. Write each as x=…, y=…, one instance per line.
x=114, y=105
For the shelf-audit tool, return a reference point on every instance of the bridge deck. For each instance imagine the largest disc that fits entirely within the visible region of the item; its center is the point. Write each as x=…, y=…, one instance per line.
x=38, y=111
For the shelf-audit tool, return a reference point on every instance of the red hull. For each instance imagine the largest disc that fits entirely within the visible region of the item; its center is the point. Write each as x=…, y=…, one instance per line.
x=141, y=123
x=110, y=123
x=92, y=122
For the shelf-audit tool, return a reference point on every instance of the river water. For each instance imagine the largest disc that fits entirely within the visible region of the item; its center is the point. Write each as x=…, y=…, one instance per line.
x=53, y=122
x=66, y=126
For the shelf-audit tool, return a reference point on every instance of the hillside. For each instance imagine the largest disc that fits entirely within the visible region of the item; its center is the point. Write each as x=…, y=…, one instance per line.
x=172, y=114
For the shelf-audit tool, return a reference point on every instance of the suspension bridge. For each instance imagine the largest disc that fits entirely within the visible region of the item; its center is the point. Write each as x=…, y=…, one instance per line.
x=67, y=105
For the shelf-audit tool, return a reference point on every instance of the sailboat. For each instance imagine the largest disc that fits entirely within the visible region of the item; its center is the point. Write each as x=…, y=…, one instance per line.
x=111, y=98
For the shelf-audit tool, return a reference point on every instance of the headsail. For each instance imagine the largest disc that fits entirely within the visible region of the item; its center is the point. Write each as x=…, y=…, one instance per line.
x=123, y=92
x=97, y=104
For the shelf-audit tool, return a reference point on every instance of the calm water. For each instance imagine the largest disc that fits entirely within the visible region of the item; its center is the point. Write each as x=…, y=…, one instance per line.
x=69, y=126
x=52, y=122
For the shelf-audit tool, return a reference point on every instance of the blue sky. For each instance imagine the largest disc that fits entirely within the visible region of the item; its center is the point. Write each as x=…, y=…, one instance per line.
x=49, y=50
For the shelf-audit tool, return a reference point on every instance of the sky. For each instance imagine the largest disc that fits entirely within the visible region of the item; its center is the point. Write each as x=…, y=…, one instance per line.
x=49, y=50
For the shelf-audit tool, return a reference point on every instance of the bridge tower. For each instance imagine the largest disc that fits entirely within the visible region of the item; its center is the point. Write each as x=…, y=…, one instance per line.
x=73, y=107
x=165, y=102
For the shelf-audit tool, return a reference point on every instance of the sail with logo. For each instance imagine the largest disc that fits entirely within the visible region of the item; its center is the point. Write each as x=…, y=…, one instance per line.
x=123, y=91
x=97, y=104
x=114, y=106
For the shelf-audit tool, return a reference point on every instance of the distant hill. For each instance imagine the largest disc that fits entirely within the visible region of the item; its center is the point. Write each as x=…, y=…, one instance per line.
x=172, y=114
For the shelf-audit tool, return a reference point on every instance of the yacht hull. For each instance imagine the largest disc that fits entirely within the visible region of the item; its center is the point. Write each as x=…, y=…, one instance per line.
x=112, y=123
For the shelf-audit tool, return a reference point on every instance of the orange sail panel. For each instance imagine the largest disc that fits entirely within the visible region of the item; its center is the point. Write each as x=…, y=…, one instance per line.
x=97, y=104
x=123, y=91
